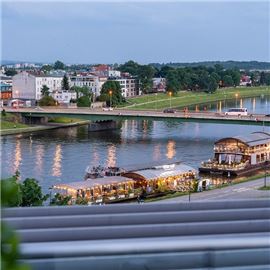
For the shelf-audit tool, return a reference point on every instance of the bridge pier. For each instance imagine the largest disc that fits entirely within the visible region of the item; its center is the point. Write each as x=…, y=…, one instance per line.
x=102, y=125
x=35, y=120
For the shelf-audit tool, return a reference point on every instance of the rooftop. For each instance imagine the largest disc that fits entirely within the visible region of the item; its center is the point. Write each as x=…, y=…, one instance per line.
x=111, y=180
x=164, y=171
x=255, y=138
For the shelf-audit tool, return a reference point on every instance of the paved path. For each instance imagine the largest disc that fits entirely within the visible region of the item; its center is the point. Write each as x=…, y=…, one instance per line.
x=247, y=190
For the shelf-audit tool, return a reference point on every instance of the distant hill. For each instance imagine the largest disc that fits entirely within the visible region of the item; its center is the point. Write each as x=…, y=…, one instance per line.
x=246, y=65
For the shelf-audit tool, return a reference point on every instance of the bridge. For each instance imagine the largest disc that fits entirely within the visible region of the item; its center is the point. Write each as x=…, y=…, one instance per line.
x=121, y=114
x=232, y=234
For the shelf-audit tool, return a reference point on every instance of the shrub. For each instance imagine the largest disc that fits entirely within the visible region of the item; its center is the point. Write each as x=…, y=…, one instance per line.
x=47, y=101
x=83, y=101
x=60, y=199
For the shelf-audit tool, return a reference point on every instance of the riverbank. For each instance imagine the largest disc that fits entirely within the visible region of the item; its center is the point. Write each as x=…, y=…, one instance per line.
x=52, y=125
x=186, y=98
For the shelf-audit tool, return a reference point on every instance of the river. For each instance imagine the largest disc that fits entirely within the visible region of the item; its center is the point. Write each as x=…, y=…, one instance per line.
x=62, y=155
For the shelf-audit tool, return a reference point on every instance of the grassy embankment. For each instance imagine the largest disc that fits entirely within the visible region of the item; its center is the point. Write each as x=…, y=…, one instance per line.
x=9, y=121
x=10, y=124
x=186, y=98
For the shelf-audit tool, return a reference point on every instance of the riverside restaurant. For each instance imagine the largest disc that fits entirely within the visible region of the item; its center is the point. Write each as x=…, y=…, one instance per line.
x=98, y=190
x=165, y=178
x=154, y=180
x=239, y=155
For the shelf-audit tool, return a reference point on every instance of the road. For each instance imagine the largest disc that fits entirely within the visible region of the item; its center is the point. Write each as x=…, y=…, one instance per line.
x=191, y=116
x=246, y=190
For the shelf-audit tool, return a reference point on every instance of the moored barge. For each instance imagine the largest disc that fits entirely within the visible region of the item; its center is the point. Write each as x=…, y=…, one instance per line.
x=239, y=155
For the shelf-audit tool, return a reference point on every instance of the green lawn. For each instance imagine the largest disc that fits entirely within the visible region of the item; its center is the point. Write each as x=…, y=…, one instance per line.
x=264, y=188
x=64, y=120
x=11, y=125
x=186, y=98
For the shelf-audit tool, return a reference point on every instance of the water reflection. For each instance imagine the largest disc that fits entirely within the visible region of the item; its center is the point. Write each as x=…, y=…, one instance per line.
x=17, y=156
x=253, y=104
x=39, y=158
x=111, y=156
x=170, y=149
x=241, y=103
x=56, y=169
x=157, y=152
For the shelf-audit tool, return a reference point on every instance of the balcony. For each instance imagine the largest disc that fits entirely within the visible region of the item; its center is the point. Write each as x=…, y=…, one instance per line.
x=224, y=167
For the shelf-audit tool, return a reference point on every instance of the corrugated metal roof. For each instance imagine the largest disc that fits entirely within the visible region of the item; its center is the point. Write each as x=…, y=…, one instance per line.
x=253, y=139
x=112, y=180
x=164, y=171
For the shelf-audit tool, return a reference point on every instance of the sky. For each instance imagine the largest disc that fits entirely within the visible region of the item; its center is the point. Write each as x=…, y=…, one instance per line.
x=144, y=31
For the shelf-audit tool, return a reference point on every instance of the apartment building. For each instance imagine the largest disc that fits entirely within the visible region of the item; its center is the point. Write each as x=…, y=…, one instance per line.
x=27, y=85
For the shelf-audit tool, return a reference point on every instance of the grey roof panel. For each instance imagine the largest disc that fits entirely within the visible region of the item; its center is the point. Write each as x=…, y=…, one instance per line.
x=164, y=171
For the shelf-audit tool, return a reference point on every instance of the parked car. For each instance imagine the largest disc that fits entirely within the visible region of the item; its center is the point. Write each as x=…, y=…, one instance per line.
x=169, y=111
x=106, y=109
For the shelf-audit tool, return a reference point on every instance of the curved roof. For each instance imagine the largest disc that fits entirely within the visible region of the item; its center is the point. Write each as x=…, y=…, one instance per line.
x=163, y=171
x=112, y=180
x=255, y=138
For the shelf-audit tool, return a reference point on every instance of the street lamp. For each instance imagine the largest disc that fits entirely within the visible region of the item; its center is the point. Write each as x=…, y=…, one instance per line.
x=110, y=93
x=170, y=94
x=156, y=101
x=236, y=96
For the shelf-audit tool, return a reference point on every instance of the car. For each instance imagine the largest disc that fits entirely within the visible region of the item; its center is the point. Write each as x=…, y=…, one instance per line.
x=237, y=111
x=169, y=111
x=106, y=109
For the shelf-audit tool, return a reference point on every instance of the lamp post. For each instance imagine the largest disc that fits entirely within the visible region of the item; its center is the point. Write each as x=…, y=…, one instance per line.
x=110, y=93
x=170, y=94
x=236, y=96
x=156, y=101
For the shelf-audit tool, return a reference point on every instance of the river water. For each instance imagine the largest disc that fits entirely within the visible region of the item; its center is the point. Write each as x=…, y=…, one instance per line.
x=62, y=155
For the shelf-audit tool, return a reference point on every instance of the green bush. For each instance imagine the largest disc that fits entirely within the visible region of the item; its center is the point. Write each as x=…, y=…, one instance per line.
x=60, y=199
x=47, y=101
x=32, y=193
x=83, y=101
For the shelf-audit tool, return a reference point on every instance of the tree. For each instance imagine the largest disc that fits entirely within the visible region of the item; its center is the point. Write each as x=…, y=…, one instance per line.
x=65, y=83
x=60, y=199
x=262, y=78
x=83, y=101
x=27, y=193
x=45, y=90
x=47, y=101
x=145, y=74
x=228, y=81
x=46, y=68
x=267, y=78
x=32, y=193
x=116, y=96
x=11, y=72
x=11, y=195
x=212, y=84
x=59, y=65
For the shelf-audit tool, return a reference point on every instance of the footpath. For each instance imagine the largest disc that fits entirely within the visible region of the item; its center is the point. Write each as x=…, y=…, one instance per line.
x=245, y=190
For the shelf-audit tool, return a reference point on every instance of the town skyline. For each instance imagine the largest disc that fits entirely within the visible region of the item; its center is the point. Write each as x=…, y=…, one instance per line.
x=147, y=32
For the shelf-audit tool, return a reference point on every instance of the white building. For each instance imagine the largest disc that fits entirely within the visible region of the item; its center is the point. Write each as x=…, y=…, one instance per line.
x=130, y=86
x=114, y=73
x=64, y=96
x=28, y=85
x=89, y=81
